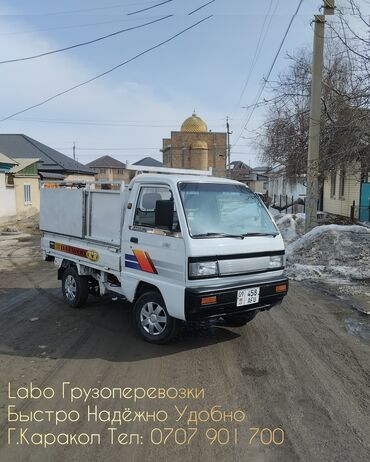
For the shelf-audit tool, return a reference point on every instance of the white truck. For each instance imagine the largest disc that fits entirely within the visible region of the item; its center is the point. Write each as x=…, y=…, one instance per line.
x=180, y=245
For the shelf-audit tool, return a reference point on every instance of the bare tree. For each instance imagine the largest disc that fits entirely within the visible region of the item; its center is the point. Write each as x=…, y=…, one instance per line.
x=345, y=122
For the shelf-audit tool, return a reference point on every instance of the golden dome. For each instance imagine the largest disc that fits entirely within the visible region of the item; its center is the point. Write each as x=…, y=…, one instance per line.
x=199, y=144
x=194, y=124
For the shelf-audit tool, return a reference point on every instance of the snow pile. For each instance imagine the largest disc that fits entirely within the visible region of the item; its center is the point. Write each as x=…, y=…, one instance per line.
x=333, y=253
x=291, y=226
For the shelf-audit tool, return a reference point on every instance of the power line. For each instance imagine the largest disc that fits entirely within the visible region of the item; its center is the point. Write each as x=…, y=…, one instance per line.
x=270, y=70
x=74, y=26
x=108, y=149
x=83, y=10
x=108, y=124
x=131, y=148
x=143, y=122
x=98, y=124
x=256, y=52
x=202, y=6
x=89, y=42
x=149, y=7
x=106, y=72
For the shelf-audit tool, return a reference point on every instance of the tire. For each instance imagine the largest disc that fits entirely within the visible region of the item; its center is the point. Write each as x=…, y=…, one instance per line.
x=75, y=288
x=152, y=320
x=239, y=320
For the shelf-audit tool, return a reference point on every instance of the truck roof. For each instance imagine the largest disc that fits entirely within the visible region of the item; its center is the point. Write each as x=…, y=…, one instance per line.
x=174, y=179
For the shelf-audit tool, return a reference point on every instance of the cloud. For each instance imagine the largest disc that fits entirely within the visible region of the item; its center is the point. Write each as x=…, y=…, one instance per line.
x=107, y=99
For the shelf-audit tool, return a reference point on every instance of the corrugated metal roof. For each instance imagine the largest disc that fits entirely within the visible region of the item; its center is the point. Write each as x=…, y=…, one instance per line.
x=22, y=146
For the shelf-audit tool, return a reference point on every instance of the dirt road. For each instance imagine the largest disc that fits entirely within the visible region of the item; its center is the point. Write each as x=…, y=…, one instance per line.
x=303, y=367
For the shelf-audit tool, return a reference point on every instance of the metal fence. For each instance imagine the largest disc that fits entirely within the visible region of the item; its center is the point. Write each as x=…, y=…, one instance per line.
x=360, y=212
x=288, y=204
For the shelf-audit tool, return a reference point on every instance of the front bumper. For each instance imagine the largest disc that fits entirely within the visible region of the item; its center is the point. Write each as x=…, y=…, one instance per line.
x=226, y=299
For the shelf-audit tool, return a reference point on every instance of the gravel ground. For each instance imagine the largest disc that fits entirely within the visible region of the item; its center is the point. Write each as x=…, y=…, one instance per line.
x=303, y=367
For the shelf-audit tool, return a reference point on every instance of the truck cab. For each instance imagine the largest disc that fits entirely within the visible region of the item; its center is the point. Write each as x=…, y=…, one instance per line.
x=190, y=247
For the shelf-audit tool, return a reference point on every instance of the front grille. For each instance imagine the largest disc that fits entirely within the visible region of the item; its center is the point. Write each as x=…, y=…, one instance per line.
x=243, y=265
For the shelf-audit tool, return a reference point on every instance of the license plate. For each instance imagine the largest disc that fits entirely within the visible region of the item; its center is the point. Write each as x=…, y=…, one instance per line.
x=248, y=296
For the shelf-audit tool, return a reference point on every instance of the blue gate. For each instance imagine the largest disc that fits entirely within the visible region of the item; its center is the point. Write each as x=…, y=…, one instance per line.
x=364, y=213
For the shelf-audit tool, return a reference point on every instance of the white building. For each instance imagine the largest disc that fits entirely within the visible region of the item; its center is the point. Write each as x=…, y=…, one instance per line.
x=279, y=184
x=8, y=206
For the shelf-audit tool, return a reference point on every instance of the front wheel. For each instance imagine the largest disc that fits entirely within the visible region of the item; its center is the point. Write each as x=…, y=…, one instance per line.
x=152, y=320
x=75, y=288
x=239, y=320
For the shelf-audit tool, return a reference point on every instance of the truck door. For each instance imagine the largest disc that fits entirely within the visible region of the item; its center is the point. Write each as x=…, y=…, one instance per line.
x=153, y=246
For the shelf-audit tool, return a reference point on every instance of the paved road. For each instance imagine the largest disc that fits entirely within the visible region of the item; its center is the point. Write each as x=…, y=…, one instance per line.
x=303, y=367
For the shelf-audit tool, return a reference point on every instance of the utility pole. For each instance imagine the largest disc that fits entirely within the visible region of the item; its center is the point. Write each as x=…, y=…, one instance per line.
x=228, y=147
x=315, y=117
x=74, y=150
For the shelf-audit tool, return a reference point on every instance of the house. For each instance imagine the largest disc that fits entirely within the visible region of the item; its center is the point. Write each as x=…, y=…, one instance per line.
x=7, y=196
x=107, y=168
x=52, y=164
x=25, y=161
x=19, y=187
x=279, y=184
x=24, y=180
x=262, y=170
x=149, y=162
x=258, y=182
x=242, y=172
x=346, y=191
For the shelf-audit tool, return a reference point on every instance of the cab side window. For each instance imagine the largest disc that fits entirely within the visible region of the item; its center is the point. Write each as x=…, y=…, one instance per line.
x=155, y=208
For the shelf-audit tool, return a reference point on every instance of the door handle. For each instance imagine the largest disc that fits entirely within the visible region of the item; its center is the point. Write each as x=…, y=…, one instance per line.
x=135, y=240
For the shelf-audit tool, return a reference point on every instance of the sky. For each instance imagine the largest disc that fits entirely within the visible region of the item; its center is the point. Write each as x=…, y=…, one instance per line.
x=126, y=113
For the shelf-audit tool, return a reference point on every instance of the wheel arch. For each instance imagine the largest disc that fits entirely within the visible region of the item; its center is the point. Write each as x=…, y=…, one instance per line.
x=64, y=265
x=144, y=287
x=172, y=294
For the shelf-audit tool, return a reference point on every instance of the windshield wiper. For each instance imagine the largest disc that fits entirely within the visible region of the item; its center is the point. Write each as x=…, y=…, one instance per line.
x=259, y=234
x=237, y=236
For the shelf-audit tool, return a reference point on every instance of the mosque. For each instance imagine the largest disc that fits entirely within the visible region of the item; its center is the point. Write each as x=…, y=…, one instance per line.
x=196, y=147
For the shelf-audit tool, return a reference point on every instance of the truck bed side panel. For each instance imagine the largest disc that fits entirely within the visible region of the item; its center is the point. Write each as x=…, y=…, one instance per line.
x=62, y=211
x=94, y=255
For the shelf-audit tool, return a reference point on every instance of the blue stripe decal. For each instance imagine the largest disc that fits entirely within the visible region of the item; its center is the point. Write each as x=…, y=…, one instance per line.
x=131, y=264
x=130, y=257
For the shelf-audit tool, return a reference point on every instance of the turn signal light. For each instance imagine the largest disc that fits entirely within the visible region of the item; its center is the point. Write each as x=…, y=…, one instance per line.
x=281, y=288
x=208, y=300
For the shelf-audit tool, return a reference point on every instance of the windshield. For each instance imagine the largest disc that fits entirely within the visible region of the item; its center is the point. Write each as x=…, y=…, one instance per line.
x=224, y=210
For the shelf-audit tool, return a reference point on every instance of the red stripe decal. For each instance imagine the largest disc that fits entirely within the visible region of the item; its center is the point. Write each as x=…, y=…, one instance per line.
x=144, y=261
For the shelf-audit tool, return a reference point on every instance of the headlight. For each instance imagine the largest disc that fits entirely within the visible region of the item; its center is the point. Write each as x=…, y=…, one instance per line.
x=276, y=261
x=203, y=269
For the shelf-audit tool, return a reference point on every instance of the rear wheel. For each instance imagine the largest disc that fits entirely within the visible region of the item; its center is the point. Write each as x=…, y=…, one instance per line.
x=75, y=288
x=152, y=320
x=239, y=320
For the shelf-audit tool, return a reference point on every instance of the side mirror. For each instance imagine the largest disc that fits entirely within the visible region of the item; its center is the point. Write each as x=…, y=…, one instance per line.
x=164, y=214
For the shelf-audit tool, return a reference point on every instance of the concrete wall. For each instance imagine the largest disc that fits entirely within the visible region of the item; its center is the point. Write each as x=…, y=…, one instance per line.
x=257, y=186
x=2, y=180
x=341, y=205
x=279, y=184
x=27, y=209
x=7, y=199
x=77, y=177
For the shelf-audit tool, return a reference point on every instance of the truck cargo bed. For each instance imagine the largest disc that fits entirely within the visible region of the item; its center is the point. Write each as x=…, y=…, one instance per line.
x=95, y=215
